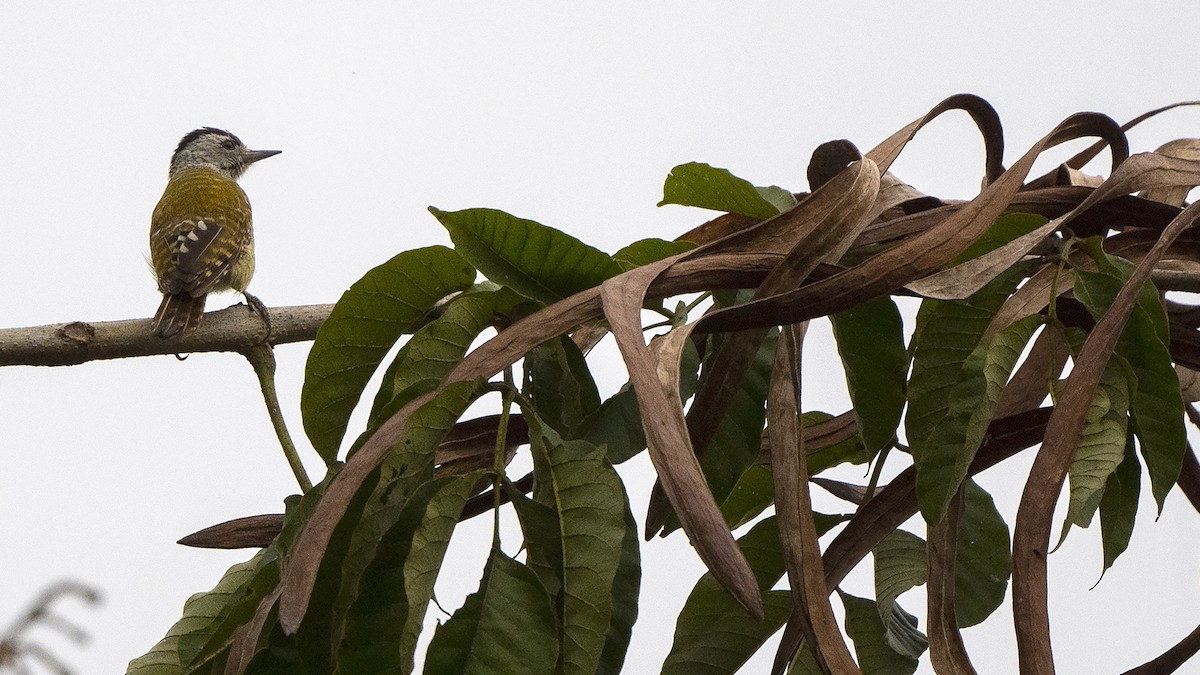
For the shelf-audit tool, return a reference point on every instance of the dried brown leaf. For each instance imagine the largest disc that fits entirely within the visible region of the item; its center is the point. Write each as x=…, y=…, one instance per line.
x=1189, y=476
x=818, y=436
x=918, y=256
x=812, y=616
x=1189, y=383
x=1033, y=296
x=984, y=116
x=1089, y=153
x=1031, y=534
x=947, y=652
x=1142, y=171
x=247, y=532
x=1070, y=176
x=718, y=228
x=471, y=444
x=668, y=442
x=850, y=492
x=818, y=229
x=1175, y=195
x=244, y=641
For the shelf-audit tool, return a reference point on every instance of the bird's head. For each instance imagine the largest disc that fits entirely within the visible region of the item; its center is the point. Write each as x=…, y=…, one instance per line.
x=216, y=149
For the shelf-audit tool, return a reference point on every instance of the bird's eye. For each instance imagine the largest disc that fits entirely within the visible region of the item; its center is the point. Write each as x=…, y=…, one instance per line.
x=228, y=145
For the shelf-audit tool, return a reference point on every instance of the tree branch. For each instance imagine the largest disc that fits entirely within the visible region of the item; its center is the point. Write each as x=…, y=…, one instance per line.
x=234, y=329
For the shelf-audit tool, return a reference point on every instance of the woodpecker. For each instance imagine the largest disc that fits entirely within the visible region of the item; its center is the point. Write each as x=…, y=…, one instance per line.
x=201, y=238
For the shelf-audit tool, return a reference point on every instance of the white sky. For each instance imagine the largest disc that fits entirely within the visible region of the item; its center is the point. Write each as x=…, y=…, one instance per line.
x=565, y=114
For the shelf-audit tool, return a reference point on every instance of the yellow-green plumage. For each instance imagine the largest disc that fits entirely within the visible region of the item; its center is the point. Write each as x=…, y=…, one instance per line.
x=201, y=239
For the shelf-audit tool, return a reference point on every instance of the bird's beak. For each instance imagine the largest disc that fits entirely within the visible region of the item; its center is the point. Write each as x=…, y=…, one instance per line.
x=253, y=156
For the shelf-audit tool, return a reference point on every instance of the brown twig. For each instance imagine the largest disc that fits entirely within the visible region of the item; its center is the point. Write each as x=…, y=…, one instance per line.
x=233, y=329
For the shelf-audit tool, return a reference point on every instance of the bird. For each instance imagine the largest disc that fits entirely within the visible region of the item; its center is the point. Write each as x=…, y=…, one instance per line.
x=201, y=239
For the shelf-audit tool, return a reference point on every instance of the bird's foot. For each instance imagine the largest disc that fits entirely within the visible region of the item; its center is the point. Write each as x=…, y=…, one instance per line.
x=258, y=307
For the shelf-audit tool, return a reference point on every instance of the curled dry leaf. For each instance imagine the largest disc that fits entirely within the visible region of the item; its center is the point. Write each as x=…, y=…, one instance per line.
x=1032, y=532
x=1142, y=171
x=946, y=649
x=1086, y=155
x=818, y=229
x=812, y=616
x=1175, y=195
x=668, y=442
x=920, y=255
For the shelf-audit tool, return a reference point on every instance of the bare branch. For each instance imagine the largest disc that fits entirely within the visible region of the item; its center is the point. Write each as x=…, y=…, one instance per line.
x=234, y=329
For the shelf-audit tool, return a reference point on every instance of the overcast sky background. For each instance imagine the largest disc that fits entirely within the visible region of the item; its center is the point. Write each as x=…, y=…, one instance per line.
x=570, y=115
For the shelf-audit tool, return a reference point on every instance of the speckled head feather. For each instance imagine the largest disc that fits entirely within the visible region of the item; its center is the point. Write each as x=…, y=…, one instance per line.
x=215, y=149
x=193, y=135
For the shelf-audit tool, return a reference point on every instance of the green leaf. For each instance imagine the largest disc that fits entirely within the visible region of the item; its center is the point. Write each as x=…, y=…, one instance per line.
x=866, y=629
x=899, y=566
x=804, y=664
x=625, y=588
x=870, y=340
x=616, y=426
x=424, y=561
x=207, y=646
x=387, y=302
x=646, y=251
x=559, y=384
x=982, y=567
x=436, y=348
x=312, y=640
x=1101, y=443
x=713, y=634
x=391, y=598
x=947, y=332
x=543, y=540
x=201, y=612
x=781, y=199
x=1118, y=506
x=372, y=608
x=370, y=603
x=1157, y=404
x=961, y=393
x=707, y=187
x=507, y=626
x=983, y=562
x=278, y=652
x=750, y=496
x=589, y=499
x=534, y=260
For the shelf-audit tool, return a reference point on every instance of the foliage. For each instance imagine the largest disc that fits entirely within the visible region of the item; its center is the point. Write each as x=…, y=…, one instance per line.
x=1007, y=288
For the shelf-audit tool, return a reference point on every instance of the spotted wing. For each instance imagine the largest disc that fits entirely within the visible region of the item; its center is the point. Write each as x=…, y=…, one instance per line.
x=198, y=254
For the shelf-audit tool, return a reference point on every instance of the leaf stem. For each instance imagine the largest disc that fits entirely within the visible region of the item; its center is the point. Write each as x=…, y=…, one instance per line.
x=262, y=358
x=874, y=482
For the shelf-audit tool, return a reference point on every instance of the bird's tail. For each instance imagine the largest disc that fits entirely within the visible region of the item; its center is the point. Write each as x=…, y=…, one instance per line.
x=178, y=315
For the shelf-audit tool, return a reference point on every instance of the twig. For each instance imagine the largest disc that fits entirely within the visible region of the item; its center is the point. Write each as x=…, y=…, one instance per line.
x=262, y=357
x=234, y=329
